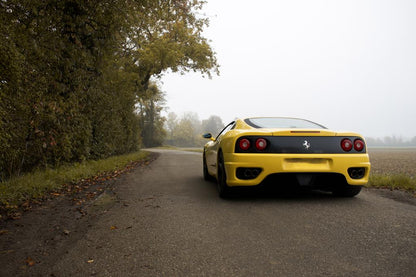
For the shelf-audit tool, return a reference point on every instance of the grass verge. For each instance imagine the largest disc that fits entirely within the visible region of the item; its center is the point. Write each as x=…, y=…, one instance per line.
x=198, y=150
x=392, y=181
x=188, y=149
x=34, y=185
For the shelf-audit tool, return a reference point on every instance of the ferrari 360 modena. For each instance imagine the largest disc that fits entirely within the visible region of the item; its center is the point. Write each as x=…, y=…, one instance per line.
x=286, y=151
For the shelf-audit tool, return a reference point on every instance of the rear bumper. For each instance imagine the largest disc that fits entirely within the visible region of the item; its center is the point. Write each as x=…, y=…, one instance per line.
x=294, y=163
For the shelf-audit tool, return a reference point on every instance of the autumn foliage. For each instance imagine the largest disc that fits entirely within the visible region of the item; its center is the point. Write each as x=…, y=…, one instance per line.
x=73, y=72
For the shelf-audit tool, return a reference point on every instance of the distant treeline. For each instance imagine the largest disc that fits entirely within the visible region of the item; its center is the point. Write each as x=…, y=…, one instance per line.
x=75, y=75
x=391, y=141
x=187, y=130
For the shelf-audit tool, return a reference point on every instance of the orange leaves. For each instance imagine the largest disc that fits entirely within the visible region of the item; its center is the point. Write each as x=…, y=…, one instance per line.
x=26, y=205
x=81, y=211
x=30, y=262
x=3, y=232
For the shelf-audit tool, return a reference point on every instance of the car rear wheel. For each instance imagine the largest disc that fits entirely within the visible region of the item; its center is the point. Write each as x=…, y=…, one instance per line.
x=347, y=191
x=224, y=190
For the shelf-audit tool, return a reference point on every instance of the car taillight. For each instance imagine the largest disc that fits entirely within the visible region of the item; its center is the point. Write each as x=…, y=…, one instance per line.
x=244, y=144
x=261, y=144
x=346, y=145
x=358, y=145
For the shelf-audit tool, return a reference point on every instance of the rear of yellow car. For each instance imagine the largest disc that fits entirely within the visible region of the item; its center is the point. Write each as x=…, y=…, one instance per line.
x=249, y=165
x=307, y=157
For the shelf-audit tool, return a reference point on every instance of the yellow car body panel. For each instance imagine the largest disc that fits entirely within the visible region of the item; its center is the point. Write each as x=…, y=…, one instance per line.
x=272, y=163
x=294, y=163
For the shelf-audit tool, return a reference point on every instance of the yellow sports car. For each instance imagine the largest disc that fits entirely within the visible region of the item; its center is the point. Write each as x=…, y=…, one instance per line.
x=280, y=150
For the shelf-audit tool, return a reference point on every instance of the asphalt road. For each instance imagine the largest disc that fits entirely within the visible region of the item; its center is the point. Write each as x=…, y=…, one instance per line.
x=168, y=221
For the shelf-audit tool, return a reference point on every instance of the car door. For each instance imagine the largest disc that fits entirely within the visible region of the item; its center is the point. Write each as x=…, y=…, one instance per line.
x=212, y=150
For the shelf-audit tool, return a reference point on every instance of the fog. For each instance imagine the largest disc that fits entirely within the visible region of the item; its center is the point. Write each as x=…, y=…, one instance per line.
x=348, y=65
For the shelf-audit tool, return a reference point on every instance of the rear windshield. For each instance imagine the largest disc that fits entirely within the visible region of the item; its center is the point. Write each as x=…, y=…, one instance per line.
x=282, y=122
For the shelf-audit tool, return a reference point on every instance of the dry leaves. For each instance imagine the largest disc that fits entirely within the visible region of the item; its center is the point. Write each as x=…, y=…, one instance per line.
x=80, y=192
x=30, y=262
x=3, y=232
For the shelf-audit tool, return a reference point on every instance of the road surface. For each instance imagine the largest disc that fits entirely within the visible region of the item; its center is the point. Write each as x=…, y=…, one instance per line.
x=168, y=221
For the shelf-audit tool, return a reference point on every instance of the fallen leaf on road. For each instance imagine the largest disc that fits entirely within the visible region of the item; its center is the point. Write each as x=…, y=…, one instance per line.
x=15, y=215
x=90, y=261
x=3, y=232
x=30, y=261
x=113, y=227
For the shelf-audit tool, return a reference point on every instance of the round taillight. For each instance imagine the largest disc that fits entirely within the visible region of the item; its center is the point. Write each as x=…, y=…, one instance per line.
x=346, y=145
x=261, y=144
x=244, y=144
x=358, y=145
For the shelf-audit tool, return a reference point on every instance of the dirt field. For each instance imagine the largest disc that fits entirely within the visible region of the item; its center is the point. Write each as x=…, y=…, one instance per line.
x=393, y=161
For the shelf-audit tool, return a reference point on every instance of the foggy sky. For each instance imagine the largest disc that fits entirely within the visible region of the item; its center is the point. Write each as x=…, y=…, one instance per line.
x=348, y=65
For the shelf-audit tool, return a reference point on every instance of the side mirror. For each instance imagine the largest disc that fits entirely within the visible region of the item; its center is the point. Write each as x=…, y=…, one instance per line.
x=208, y=136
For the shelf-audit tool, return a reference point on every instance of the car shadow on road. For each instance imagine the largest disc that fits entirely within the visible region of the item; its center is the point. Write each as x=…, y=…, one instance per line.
x=277, y=192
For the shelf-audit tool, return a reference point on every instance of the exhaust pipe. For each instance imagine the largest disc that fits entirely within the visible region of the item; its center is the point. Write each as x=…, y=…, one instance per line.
x=247, y=173
x=356, y=172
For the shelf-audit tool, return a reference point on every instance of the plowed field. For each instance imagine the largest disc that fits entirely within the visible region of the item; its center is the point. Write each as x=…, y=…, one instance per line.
x=393, y=161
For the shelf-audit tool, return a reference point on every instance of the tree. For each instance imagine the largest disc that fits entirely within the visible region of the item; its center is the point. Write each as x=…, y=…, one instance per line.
x=184, y=134
x=150, y=106
x=73, y=71
x=168, y=35
x=212, y=125
x=187, y=130
x=170, y=126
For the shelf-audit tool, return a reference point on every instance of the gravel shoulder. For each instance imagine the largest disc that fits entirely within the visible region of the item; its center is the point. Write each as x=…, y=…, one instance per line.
x=47, y=229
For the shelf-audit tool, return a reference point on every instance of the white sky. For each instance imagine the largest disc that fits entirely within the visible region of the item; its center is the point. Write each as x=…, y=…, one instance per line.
x=349, y=65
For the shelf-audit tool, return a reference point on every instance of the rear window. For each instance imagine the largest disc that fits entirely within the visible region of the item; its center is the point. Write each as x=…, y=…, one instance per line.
x=282, y=122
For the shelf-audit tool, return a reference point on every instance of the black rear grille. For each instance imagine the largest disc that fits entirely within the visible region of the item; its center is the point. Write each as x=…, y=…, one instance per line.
x=248, y=173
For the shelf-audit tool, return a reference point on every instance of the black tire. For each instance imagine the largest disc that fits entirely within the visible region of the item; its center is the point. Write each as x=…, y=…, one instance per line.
x=347, y=191
x=207, y=177
x=224, y=190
